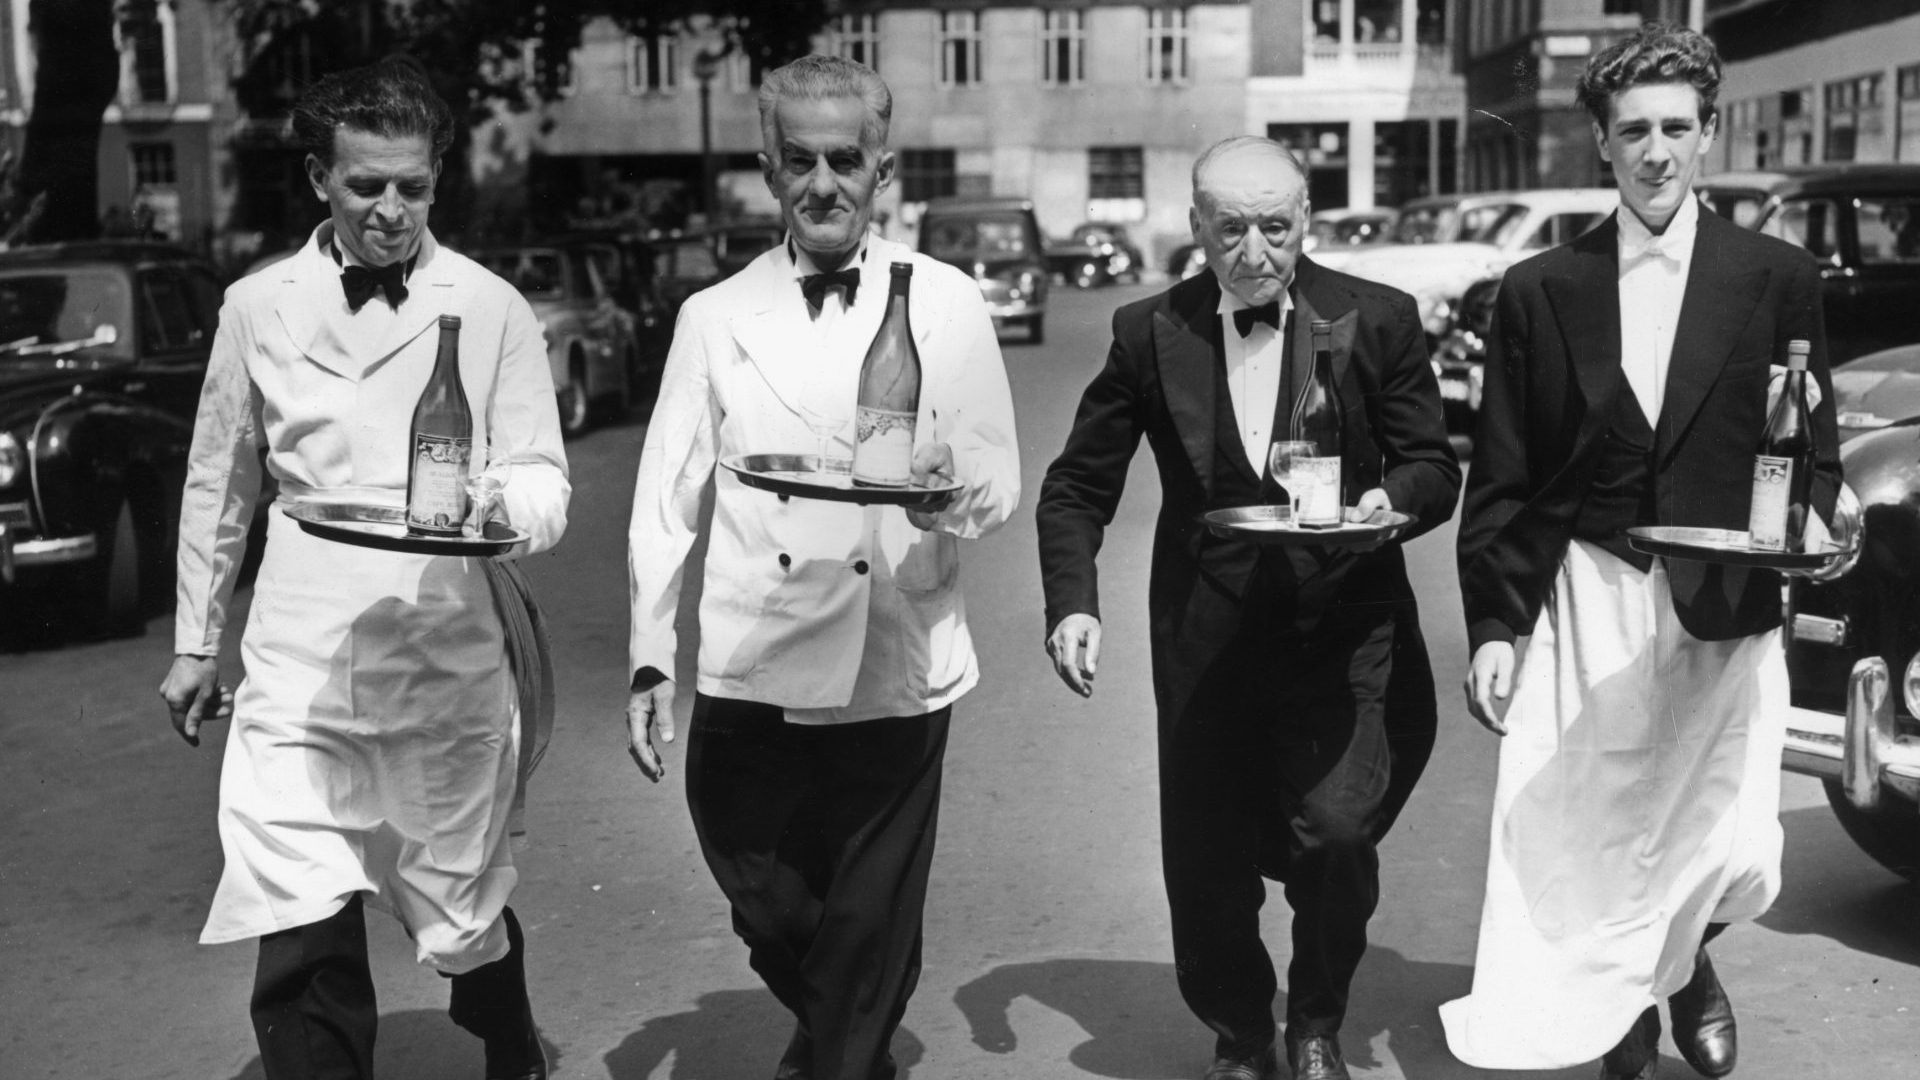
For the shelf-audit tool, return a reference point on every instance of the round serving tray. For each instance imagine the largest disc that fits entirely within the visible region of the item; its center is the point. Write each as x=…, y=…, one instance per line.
x=385, y=528
x=796, y=474
x=1728, y=547
x=1274, y=525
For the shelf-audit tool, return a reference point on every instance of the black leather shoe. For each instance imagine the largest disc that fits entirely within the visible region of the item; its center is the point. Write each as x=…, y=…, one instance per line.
x=1317, y=1057
x=1637, y=1056
x=1703, y=1021
x=1264, y=1065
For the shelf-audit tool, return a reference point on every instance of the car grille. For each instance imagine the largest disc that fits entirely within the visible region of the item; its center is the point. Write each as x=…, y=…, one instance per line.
x=15, y=514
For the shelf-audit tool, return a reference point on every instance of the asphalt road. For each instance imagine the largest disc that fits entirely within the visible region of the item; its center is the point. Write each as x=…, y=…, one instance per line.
x=1047, y=948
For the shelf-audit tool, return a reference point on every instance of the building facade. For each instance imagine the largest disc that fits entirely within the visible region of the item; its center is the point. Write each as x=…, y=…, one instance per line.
x=1094, y=109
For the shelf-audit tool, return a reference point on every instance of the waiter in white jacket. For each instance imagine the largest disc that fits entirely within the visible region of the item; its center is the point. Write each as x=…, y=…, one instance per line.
x=375, y=746
x=833, y=639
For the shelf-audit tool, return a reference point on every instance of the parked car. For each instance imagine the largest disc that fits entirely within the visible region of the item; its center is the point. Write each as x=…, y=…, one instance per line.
x=1095, y=254
x=1862, y=222
x=103, y=347
x=592, y=343
x=997, y=242
x=1338, y=230
x=1459, y=358
x=1509, y=227
x=626, y=262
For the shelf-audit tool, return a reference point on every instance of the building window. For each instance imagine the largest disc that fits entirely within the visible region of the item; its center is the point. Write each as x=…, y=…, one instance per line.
x=1116, y=183
x=1907, y=148
x=1376, y=22
x=1063, y=47
x=153, y=164
x=1166, y=52
x=1620, y=7
x=1326, y=21
x=959, y=48
x=1431, y=25
x=744, y=70
x=653, y=65
x=857, y=38
x=1856, y=125
x=149, y=46
x=927, y=174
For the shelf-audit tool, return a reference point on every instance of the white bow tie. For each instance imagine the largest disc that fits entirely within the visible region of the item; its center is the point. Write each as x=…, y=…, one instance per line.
x=1654, y=247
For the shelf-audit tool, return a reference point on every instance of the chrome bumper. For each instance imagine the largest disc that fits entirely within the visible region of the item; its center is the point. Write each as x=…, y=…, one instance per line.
x=1862, y=750
x=65, y=549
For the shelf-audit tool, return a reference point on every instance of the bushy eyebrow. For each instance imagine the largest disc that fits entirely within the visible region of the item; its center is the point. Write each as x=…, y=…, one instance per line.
x=789, y=148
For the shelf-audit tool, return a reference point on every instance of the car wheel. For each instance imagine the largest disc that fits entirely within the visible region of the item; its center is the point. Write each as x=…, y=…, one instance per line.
x=110, y=585
x=1891, y=835
x=576, y=408
x=1036, y=330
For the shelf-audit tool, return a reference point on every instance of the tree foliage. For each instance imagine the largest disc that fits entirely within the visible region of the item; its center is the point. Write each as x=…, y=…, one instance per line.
x=76, y=75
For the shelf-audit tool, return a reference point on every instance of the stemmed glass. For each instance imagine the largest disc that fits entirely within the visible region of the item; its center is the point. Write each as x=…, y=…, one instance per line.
x=487, y=475
x=825, y=418
x=1281, y=459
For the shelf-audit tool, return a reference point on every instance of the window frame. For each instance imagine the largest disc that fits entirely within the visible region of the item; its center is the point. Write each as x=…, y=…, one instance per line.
x=960, y=39
x=858, y=32
x=653, y=65
x=1167, y=25
x=1063, y=30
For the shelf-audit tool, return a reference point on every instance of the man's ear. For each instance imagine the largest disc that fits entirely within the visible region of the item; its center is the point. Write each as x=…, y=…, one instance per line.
x=1600, y=141
x=1710, y=129
x=1193, y=223
x=883, y=173
x=317, y=176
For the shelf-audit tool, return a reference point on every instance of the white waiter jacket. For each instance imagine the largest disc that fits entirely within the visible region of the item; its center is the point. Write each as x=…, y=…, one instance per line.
x=833, y=611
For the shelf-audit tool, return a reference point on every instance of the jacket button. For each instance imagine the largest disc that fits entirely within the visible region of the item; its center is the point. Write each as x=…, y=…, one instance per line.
x=783, y=498
x=786, y=560
x=860, y=567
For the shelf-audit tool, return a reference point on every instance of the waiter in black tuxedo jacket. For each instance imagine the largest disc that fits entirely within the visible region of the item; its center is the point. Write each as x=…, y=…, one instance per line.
x=1294, y=698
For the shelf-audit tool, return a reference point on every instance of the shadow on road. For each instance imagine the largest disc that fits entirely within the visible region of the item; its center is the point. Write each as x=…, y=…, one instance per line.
x=421, y=1044
x=727, y=1035
x=1832, y=889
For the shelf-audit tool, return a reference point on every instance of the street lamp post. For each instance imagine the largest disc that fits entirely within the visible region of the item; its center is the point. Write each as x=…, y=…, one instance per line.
x=706, y=64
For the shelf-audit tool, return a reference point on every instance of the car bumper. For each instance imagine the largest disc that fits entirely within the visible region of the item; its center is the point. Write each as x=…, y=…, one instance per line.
x=1007, y=310
x=15, y=552
x=1862, y=750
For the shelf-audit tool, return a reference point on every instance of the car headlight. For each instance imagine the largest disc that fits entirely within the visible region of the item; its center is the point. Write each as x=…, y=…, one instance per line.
x=12, y=459
x=1849, y=535
x=1910, y=686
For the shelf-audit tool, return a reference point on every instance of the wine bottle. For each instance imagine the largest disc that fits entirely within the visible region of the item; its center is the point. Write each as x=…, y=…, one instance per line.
x=1317, y=420
x=440, y=444
x=889, y=401
x=1783, y=467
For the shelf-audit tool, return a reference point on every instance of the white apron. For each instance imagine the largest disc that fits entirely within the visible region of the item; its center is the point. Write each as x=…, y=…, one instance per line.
x=1638, y=800
x=373, y=750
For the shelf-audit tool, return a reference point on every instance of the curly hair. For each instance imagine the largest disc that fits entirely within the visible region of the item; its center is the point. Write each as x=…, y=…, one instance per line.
x=817, y=78
x=1655, y=53
x=391, y=98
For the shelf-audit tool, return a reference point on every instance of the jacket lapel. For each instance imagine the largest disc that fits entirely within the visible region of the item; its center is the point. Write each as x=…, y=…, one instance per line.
x=431, y=293
x=776, y=333
x=1718, y=303
x=1586, y=302
x=313, y=309
x=1186, y=346
x=1315, y=296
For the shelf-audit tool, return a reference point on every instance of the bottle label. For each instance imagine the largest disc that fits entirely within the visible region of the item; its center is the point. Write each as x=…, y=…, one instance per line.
x=1767, y=520
x=1318, y=482
x=883, y=447
x=437, y=493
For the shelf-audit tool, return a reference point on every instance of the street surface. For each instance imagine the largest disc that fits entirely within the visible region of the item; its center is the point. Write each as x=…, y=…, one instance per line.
x=1047, y=951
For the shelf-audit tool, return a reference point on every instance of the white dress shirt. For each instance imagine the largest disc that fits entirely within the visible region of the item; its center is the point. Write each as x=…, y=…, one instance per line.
x=1653, y=281
x=1256, y=370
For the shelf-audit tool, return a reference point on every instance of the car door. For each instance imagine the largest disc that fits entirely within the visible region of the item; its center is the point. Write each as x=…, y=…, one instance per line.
x=175, y=317
x=1815, y=224
x=1886, y=281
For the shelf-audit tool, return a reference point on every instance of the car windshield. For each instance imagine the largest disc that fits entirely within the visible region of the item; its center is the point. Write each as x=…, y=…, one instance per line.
x=46, y=311
x=1425, y=224
x=1493, y=224
x=536, y=274
x=999, y=236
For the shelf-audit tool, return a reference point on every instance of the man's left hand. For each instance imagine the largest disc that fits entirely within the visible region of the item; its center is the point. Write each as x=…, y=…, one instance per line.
x=932, y=464
x=1370, y=508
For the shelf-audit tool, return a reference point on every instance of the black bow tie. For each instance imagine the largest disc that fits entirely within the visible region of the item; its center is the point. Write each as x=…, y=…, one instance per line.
x=1268, y=313
x=814, y=286
x=360, y=283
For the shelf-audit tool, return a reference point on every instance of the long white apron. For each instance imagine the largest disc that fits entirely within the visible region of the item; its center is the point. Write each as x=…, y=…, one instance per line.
x=373, y=749
x=1638, y=800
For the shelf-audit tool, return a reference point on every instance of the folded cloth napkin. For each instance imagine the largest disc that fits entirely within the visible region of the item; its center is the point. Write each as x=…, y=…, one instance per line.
x=530, y=655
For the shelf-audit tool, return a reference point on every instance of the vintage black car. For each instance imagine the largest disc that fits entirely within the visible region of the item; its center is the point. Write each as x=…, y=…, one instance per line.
x=1095, y=254
x=997, y=243
x=103, y=347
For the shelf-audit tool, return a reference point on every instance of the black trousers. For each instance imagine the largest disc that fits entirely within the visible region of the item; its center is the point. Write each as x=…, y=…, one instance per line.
x=315, y=1016
x=1283, y=762
x=822, y=840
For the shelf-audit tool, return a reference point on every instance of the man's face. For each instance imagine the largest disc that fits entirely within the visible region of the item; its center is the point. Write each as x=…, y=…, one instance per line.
x=1249, y=215
x=379, y=189
x=1654, y=140
x=825, y=179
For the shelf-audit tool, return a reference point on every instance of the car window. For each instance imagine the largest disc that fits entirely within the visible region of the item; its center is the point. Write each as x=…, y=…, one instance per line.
x=166, y=312
x=687, y=259
x=1423, y=224
x=1889, y=230
x=46, y=307
x=206, y=293
x=1559, y=229
x=535, y=273
x=743, y=246
x=1743, y=208
x=1813, y=224
x=1479, y=224
x=580, y=271
x=606, y=267
x=986, y=237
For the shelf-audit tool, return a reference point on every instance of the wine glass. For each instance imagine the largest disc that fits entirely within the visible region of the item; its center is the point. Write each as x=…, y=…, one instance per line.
x=825, y=419
x=1281, y=459
x=487, y=475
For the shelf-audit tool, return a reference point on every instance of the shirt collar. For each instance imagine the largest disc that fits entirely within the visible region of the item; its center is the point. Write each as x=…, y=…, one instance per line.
x=1676, y=243
x=1230, y=303
x=804, y=265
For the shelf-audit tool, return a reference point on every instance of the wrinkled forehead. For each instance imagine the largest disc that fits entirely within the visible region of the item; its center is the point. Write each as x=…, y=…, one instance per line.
x=825, y=125
x=1249, y=183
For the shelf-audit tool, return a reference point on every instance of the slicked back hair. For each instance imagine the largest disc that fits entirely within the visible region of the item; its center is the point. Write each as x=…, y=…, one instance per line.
x=1238, y=142
x=1656, y=53
x=392, y=99
x=821, y=78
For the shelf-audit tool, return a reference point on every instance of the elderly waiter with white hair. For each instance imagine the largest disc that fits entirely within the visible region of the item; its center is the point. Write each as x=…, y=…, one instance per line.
x=375, y=749
x=832, y=637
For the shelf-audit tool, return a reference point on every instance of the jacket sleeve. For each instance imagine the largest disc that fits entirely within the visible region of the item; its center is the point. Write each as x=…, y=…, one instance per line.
x=223, y=484
x=523, y=413
x=1500, y=483
x=1082, y=488
x=1421, y=475
x=675, y=481
x=972, y=412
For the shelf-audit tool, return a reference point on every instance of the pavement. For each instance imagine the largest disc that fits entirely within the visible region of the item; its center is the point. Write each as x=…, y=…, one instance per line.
x=1047, y=951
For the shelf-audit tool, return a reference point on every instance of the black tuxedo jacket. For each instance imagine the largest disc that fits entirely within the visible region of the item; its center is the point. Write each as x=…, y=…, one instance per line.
x=1552, y=377
x=1160, y=381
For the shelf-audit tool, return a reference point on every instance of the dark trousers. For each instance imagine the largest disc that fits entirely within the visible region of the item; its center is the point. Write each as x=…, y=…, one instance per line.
x=822, y=839
x=1282, y=762
x=314, y=1013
